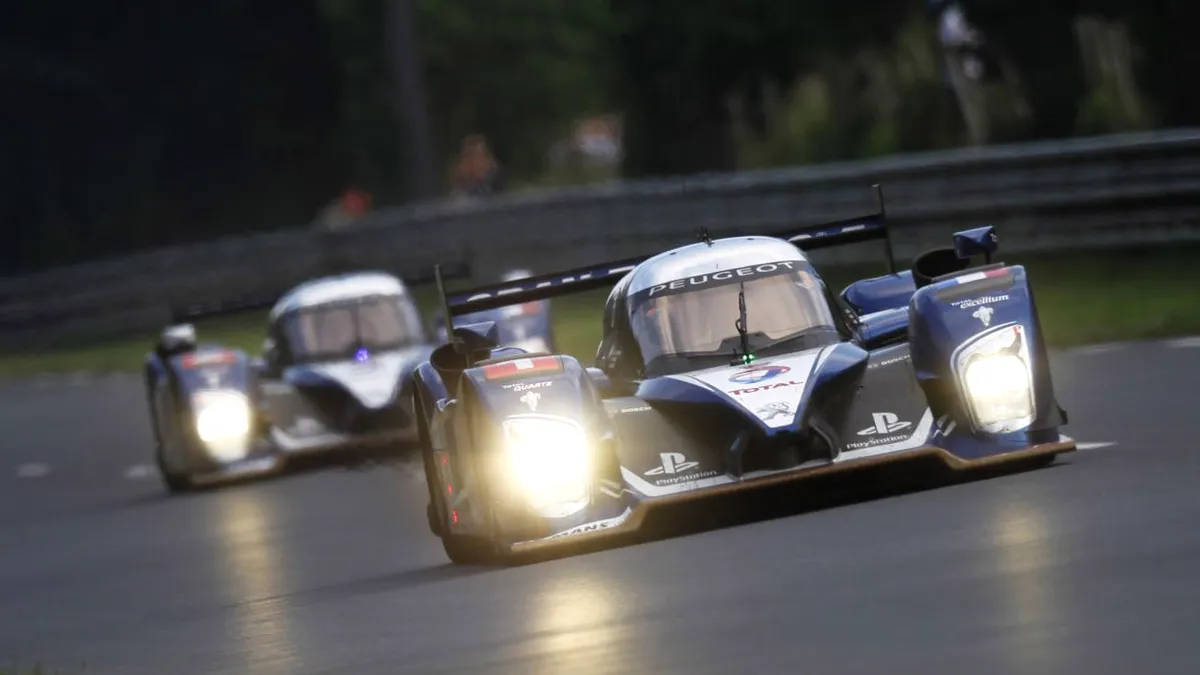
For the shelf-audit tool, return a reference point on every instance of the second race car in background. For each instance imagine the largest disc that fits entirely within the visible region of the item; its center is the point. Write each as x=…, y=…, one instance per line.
x=527, y=325
x=333, y=376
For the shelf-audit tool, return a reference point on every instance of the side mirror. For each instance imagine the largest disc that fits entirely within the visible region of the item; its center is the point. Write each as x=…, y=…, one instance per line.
x=177, y=339
x=978, y=241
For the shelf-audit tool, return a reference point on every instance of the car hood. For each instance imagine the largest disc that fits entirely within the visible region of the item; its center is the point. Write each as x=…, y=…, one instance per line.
x=375, y=382
x=775, y=393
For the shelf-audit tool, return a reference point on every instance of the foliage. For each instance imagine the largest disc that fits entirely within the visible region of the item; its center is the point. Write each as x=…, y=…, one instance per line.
x=518, y=71
x=144, y=123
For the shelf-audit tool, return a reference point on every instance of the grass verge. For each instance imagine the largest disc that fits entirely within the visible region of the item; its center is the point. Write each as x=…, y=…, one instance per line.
x=1083, y=298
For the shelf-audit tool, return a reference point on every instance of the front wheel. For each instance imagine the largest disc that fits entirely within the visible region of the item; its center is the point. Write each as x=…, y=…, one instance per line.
x=174, y=482
x=467, y=550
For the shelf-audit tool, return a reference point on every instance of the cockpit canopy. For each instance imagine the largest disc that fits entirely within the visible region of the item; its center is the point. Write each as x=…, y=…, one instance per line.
x=340, y=330
x=690, y=322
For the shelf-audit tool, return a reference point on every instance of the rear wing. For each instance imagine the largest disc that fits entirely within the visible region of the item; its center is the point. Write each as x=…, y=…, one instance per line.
x=264, y=300
x=839, y=233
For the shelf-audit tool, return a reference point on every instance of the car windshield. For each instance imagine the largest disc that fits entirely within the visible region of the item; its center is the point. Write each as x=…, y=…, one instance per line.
x=688, y=320
x=338, y=330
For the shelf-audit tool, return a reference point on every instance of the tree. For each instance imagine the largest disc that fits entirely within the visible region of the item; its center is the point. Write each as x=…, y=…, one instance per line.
x=681, y=61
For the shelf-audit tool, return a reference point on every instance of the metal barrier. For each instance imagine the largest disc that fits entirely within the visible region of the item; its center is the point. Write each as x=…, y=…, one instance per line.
x=1130, y=188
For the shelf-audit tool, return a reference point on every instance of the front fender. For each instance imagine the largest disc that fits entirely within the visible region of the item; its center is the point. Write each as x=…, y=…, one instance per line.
x=948, y=316
x=553, y=388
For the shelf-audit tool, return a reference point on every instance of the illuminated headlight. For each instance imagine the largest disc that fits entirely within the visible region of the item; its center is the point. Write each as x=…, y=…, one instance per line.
x=550, y=462
x=223, y=423
x=997, y=382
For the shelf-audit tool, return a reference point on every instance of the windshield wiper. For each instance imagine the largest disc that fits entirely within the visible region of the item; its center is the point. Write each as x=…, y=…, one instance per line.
x=745, y=357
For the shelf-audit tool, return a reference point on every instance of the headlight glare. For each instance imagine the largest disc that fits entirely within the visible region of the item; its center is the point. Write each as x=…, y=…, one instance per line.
x=996, y=380
x=223, y=422
x=549, y=459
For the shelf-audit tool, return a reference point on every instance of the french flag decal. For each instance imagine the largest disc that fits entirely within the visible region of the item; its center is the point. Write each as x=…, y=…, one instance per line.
x=522, y=367
x=980, y=276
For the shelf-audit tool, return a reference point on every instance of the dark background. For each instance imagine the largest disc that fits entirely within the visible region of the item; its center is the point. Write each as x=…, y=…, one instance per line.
x=138, y=123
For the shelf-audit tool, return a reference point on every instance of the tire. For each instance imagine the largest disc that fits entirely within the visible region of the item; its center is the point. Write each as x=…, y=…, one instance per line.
x=461, y=550
x=175, y=483
x=468, y=550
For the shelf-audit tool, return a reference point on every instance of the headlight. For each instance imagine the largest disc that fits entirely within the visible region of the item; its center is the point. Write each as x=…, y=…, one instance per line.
x=223, y=423
x=996, y=380
x=550, y=462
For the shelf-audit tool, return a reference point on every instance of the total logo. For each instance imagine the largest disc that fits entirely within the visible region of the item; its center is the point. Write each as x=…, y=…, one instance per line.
x=522, y=386
x=756, y=374
x=885, y=423
x=765, y=387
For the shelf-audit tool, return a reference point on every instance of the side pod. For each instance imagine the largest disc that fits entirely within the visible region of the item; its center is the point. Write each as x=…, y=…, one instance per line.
x=979, y=353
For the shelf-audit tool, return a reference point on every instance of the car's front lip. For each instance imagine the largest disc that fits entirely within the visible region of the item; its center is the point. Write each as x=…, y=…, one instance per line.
x=637, y=515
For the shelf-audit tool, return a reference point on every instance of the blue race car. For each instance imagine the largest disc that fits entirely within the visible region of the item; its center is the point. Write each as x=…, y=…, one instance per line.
x=333, y=377
x=526, y=325
x=728, y=365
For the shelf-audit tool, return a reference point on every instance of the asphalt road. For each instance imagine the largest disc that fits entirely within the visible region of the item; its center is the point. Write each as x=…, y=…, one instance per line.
x=1089, y=566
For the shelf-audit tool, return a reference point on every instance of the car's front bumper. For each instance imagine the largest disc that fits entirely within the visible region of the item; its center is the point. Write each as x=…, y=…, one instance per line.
x=331, y=442
x=633, y=517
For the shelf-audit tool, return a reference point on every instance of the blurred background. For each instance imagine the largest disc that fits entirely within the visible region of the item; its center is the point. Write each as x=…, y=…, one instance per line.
x=137, y=124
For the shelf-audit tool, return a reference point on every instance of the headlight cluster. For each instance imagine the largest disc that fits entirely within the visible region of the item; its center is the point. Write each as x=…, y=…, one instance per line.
x=549, y=459
x=223, y=420
x=995, y=376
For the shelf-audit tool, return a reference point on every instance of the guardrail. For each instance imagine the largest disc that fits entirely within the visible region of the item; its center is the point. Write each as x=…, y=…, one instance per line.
x=1130, y=188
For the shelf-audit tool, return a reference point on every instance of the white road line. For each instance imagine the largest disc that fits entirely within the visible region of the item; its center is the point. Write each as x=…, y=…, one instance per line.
x=32, y=470
x=1093, y=446
x=140, y=472
x=1185, y=343
x=1097, y=349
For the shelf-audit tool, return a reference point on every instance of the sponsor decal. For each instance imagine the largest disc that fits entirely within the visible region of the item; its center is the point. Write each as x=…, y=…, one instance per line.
x=522, y=386
x=211, y=358
x=772, y=410
x=884, y=423
x=676, y=468
x=890, y=361
x=765, y=387
x=635, y=409
x=723, y=276
x=595, y=526
x=977, y=302
x=882, y=431
x=984, y=314
x=522, y=367
x=212, y=376
x=672, y=463
x=759, y=373
x=531, y=399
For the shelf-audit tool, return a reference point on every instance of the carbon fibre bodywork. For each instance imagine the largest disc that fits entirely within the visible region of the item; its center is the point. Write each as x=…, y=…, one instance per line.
x=888, y=388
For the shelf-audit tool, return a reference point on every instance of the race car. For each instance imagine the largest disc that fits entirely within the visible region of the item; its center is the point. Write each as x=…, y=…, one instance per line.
x=527, y=326
x=333, y=376
x=728, y=365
